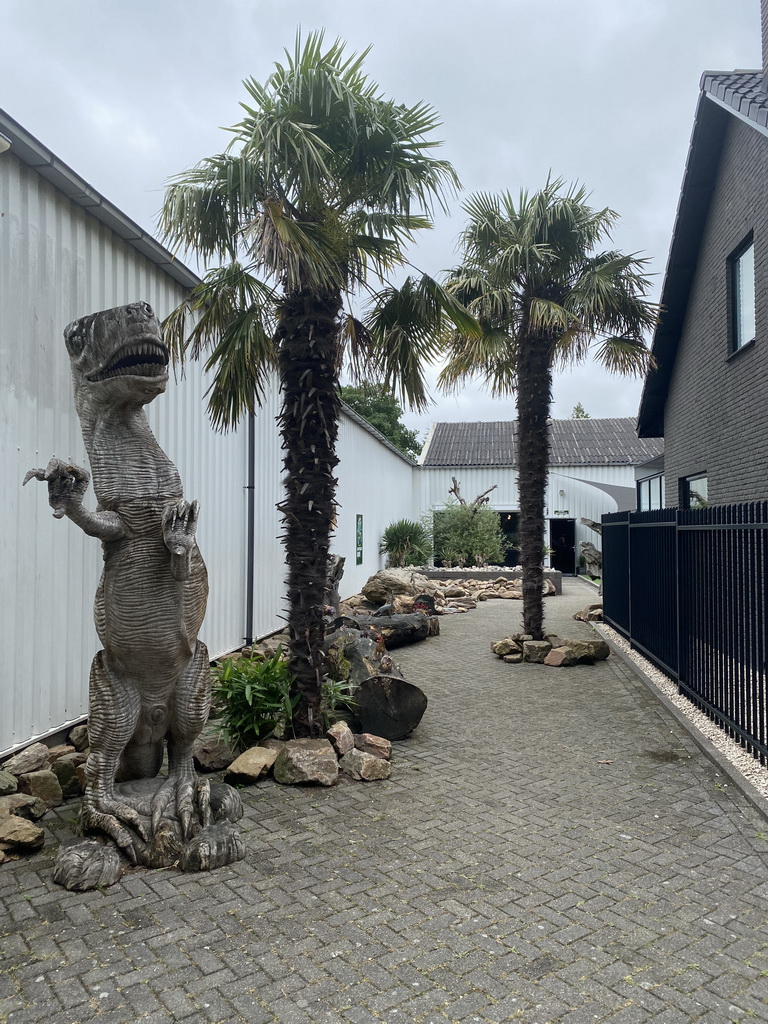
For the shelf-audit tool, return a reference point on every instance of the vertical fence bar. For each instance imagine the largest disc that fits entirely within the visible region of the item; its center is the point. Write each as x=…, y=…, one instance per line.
x=688, y=589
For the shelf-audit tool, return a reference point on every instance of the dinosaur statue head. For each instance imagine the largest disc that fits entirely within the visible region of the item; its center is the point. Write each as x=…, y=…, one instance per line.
x=118, y=356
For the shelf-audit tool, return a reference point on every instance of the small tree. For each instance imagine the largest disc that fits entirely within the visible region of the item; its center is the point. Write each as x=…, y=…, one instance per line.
x=468, y=534
x=406, y=543
x=579, y=412
x=377, y=404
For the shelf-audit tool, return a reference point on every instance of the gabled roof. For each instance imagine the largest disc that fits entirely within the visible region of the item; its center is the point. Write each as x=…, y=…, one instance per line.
x=723, y=95
x=587, y=442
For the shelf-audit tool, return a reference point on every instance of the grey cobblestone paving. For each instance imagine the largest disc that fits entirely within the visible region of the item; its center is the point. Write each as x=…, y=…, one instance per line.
x=502, y=874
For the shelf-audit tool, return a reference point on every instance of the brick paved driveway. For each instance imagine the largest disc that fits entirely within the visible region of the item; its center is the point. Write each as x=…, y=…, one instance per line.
x=502, y=874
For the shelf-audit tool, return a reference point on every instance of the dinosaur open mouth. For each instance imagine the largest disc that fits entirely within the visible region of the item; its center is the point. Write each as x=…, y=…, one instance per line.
x=140, y=359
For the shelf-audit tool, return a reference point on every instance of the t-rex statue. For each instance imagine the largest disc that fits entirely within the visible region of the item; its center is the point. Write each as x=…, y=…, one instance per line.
x=150, y=685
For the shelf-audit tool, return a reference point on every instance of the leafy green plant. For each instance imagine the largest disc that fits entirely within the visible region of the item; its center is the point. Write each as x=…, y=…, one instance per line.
x=468, y=535
x=406, y=542
x=252, y=696
x=335, y=697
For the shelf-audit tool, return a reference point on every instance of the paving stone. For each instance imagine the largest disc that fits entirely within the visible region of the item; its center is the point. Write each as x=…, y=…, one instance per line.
x=500, y=873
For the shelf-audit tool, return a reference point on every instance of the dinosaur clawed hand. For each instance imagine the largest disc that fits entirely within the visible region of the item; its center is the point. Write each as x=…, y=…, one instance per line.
x=117, y=820
x=179, y=526
x=67, y=484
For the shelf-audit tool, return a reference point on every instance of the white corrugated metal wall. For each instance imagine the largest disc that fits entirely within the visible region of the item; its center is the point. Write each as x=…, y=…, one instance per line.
x=376, y=483
x=57, y=262
x=581, y=486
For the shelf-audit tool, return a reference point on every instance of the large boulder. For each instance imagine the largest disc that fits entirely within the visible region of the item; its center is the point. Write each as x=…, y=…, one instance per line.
x=31, y=759
x=399, y=630
x=43, y=784
x=252, y=765
x=8, y=783
x=306, y=761
x=587, y=651
x=387, y=583
x=364, y=767
x=389, y=707
x=19, y=834
x=212, y=751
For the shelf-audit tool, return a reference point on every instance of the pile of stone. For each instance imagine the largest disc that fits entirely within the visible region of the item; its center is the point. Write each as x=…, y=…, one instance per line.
x=360, y=756
x=401, y=588
x=554, y=651
x=31, y=783
x=592, y=613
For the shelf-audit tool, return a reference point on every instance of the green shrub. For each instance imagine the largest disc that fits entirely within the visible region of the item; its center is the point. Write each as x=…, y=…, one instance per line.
x=252, y=698
x=468, y=535
x=406, y=543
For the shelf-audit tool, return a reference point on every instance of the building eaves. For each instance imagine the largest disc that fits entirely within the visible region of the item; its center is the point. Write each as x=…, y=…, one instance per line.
x=724, y=94
x=363, y=422
x=34, y=154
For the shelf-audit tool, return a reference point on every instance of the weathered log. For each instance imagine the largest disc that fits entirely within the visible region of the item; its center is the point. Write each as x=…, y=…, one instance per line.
x=390, y=707
x=399, y=630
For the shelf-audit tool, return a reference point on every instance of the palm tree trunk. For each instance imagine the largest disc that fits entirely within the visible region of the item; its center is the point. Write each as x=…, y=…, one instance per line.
x=309, y=371
x=534, y=399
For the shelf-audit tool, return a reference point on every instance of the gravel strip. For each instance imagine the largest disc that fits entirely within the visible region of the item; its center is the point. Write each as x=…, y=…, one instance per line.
x=744, y=763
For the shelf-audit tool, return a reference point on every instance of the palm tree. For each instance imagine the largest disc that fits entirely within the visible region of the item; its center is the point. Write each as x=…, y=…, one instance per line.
x=532, y=277
x=322, y=186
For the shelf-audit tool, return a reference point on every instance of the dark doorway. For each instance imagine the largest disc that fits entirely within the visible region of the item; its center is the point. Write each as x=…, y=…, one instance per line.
x=510, y=522
x=562, y=540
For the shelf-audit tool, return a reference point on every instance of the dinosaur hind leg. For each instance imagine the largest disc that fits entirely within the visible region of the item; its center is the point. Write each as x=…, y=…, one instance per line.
x=113, y=714
x=182, y=796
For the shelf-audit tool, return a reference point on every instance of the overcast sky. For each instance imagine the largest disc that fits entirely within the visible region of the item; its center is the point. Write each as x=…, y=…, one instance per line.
x=599, y=91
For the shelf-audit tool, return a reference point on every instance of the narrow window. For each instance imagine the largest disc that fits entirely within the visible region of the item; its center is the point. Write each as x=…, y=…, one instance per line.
x=743, y=295
x=694, y=491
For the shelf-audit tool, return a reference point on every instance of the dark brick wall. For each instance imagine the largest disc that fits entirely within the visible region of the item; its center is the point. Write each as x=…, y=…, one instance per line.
x=716, y=416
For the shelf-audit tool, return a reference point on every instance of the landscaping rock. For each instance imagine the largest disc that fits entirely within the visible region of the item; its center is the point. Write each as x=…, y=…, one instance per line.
x=506, y=646
x=23, y=805
x=251, y=765
x=592, y=613
x=8, y=783
x=514, y=658
x=65, y=770
x=587, y=651
x=342, y=738
x=20, y=834
x=560, y=657
x=365, y=767
x=83, y=864
x=79, y=737
x=42, y=784
x=31, y=759
x=273, y=743
x=376, y=745
x=60, y=750
x=389, y=582
x=212, y=751
x=536, y=650
x=306, y=761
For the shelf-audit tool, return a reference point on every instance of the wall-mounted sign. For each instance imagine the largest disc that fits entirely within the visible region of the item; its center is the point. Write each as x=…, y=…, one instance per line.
x=359, y=541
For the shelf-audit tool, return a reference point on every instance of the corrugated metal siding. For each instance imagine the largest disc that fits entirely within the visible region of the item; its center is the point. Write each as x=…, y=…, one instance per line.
x=57, y=263
x=379, y=485
x=582, y=496
x=269, y=576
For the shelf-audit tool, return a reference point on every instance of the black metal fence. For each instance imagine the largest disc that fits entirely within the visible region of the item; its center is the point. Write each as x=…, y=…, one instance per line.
x=687, y=588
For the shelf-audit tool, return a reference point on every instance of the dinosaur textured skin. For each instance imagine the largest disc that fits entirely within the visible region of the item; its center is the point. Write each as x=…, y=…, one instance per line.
x=150, y=685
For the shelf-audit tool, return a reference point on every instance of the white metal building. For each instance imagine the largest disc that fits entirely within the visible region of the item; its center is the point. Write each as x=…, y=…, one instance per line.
x=65, y=251
x=591, y=471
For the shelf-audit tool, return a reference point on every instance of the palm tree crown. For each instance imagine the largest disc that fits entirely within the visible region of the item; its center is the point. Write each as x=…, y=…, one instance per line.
x=544, y=296
x=323, y=185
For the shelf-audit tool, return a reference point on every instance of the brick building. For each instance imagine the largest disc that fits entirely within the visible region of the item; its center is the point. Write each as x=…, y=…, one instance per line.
x=708, y=396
